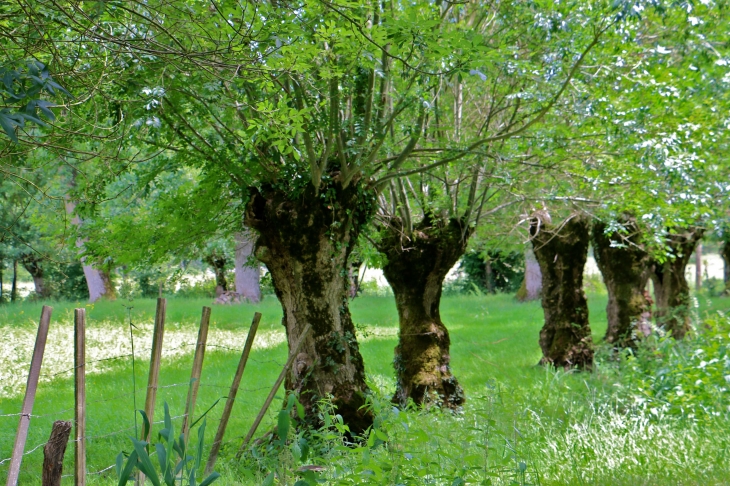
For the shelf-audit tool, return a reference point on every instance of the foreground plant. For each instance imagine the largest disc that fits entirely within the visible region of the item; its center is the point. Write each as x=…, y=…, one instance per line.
x=176, y=466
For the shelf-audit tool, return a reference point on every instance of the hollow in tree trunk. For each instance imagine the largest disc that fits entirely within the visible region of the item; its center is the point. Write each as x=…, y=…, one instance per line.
x=247, y=273
x=624, y=265
x=532, y=282
x=33, y=265
x=415, y=269
x=562, y=251
x=218, y=263
x=671, y=290
x=305, y=239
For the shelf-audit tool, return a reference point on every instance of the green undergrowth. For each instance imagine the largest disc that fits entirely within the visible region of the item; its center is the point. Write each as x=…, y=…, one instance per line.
x=658, y=416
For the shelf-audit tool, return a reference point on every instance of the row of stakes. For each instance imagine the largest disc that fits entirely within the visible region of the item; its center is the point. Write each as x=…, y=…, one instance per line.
x=55, y=447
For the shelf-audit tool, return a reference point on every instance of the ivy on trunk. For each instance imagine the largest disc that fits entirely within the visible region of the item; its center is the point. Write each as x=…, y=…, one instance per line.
x=305, y=237
x=562, y=251
x=415, y=269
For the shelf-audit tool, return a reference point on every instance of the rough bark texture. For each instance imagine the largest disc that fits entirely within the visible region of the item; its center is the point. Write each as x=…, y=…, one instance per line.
x=98, y=281
x=248, y=276
x=531, y=287
x=415, y=269
x=624, y=265
x=53, y=453
x=34, y=266
x=353, y=275
x=218, y=263
x=671, y=291
x=305, y=240
x=562, y=251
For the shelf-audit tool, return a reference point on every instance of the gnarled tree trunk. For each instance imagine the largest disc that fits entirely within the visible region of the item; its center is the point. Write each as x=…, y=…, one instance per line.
x=248, y=277
x=532, y=283
x=33, y=265
x=305, y=240
x=671, y=290
x=415, y=270
x=624, y=265
x=562, y=251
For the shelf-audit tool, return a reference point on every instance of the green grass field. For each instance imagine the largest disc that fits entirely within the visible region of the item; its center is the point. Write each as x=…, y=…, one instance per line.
x=532, y=425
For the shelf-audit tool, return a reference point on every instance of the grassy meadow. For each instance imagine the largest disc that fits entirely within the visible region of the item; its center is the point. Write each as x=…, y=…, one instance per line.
x=522, y=424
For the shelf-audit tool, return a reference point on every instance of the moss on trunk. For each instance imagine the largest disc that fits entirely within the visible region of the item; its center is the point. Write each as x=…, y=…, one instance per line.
x=671, y=290
x=624, y=265
x=305, y=239
x=562, y=251
x=415, y=269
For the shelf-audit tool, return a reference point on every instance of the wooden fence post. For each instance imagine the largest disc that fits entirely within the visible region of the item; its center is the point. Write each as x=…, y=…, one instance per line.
x=80, y=394
x=153, y=379
x=197, y=370
x=30, y=389
x=215, y=448
x=53, y=453
x=272, y=393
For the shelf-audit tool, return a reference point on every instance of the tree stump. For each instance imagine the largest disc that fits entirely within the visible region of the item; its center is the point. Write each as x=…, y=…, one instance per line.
x=53, y=453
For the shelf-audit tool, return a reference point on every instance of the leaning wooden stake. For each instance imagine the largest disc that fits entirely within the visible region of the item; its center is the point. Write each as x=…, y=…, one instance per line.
x=152, y=380
x=215, y=448
x=272, y=393
x=30, y=389
x=197, y=370
x=80, y=394
x=53, y=453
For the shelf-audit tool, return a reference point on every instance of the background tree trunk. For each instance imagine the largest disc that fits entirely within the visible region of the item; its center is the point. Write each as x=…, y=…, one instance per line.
x=671, y=291
x=565, y=338
x=218, y=264
x=698, y=267
x=248, y=277
x=305, y=241
x=725, y=253
x=14, y=287
x=415, y=269
x=625, y=270
x=531, y=287
x=98, y=281
x=34, y=266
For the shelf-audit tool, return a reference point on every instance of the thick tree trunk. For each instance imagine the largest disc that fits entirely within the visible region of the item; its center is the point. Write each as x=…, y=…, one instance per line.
x=531, y=287
x=248, y=275
x=305, y=240
x=725, y=253
x=218, y=263
x=415, y=270
x=671, y=291
x=98, y=281
x=562, y=251
x=698, y=268
x=34, y=266
x=624, y=265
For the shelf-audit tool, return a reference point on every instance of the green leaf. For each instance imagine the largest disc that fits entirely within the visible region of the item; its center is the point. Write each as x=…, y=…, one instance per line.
x=283, y=426
x=209, y=480
x=145, y=464
x=269, y=481
x=124, y=477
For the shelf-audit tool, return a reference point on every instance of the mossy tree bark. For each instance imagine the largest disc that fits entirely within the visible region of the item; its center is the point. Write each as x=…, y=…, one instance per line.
x=305, y=239
x=624, y=265
x=671, y=290
x=562, y=251
x=415, y=269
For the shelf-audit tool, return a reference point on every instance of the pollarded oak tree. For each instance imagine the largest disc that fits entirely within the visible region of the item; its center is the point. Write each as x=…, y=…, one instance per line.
x=562, y=251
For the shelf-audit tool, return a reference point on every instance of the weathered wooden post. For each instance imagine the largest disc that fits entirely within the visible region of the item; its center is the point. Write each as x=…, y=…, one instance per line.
x=80, y=396
x=53, y=453
x=153, y=379
x=30, y=389
x=197, y=370
x=272, y=393
x=215, y=448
